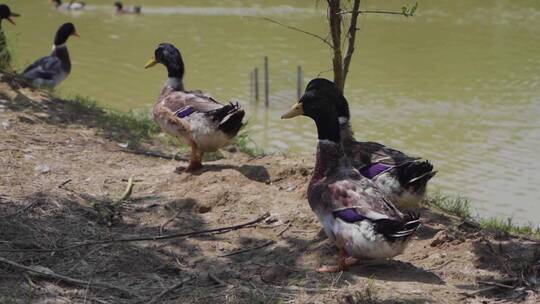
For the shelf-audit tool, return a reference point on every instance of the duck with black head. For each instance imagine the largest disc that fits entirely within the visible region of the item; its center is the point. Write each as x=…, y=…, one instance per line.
x=127, y=10
x=401, y=177
x=192, y=117
x=51, y=70
x=70, y=6
x=5, y=55
x=354, y=213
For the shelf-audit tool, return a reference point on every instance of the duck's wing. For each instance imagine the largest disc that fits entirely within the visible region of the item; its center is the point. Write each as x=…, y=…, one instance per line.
x=361, y=195
x=356, y=200
x=372, y=152
x=44, y=68
x=195, y=99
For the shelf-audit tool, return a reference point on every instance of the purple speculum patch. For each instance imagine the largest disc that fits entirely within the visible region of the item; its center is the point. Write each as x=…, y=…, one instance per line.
x=349, y=215
x=370, y=171
x=184, y=112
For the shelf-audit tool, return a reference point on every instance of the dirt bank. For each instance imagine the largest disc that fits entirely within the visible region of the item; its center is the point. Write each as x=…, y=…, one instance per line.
x=61, y=176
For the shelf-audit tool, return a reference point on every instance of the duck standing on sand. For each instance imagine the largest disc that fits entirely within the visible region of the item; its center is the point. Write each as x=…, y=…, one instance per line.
x=191, y=116
x=51, y=70
x=355, y=215
x=401, y=177
x=71, y=6
x=121, y=10
x=5, y=56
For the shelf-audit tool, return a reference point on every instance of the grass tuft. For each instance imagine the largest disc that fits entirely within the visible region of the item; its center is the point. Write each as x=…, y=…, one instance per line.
x=461, y=207
x=503, y=226
x=132, y=126
x=248, y=146
x=455, y=205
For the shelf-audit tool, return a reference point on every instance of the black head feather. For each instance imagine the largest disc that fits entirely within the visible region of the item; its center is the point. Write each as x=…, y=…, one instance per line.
x=5, y=12
x=168, y=55
x=325, y=87
x=63, y=33
x=319, y=106
x=118, y=5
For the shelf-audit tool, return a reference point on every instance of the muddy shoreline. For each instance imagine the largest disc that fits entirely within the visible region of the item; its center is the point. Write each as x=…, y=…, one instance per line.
x=62, y=175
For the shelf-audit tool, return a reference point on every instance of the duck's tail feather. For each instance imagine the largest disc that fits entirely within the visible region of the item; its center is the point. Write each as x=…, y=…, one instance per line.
x=230, y=118
x=415, y=175
x=137, y=9
x=399, y=230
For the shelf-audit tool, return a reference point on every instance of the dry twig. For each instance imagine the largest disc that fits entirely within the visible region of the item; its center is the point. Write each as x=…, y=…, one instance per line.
x=149, y=238
x=58, y=277
x=166, y=291
x=247, y=249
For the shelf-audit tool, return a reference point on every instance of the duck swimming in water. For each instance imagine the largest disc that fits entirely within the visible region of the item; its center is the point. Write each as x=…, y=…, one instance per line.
x=121, y=9
x=191, y=116
x=51, y=70
x=401, y=177
x=5, y=56
x=355, y=214
x=70, y=6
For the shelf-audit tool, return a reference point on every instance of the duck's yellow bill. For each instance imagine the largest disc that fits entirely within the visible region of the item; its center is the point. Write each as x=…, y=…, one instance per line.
x=296, y=110
x=76, y=34
x=152, y=62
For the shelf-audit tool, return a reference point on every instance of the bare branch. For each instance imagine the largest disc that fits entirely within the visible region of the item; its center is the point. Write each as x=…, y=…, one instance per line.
x=57, y=277
x=334, y=7
x=297, y=29
x=352, y=38
x=373, y=12
x=149, y=238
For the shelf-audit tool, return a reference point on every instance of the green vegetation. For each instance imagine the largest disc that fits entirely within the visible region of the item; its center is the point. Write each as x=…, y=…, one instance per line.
x=246, y=145
x=507, y=227
x=454, y=205
x=461, y=207
x=133, y=126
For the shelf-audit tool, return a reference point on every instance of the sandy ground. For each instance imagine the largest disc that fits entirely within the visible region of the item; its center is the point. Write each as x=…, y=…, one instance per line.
x=59, y=174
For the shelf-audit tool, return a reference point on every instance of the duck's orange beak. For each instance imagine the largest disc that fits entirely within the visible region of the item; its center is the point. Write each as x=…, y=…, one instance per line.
x=296, y=110
x=76, y=34
x=11, y=20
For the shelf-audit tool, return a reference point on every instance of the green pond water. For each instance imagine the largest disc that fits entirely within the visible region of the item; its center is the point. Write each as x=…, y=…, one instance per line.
x=458, y=84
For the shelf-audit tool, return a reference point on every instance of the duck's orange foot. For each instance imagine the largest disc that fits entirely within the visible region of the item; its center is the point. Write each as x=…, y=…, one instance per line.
x=192, y=167
x=343, y=265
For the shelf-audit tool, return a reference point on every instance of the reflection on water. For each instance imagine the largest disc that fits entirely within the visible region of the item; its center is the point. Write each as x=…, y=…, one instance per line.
x=458, y=84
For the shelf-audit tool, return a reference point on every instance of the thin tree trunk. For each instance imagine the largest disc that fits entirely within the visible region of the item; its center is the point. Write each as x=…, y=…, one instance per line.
x=352, y=37
x=334, y=9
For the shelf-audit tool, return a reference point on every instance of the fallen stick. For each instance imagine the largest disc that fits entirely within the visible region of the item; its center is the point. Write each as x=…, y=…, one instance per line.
x=20, y=210
x=58, y=277
x=148, y=238
x=246, y=250
x=127, y=192
x=166, y=291
x=154, y=154
x=167, y=222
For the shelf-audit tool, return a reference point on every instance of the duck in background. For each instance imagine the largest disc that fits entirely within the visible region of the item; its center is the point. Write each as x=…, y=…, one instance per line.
x=401, y=177
x=51, y=70
x=191, y=116
x=71, y=6
x=121, y=10
x=355, y=215
x=5, y=56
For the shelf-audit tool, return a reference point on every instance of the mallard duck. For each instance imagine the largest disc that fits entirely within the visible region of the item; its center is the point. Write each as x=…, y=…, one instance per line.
x=401, y=177
x=354, y=213
x=71, y=6
x=120, y=9
x=5, y=56
x=51, y=70
x=191, y=116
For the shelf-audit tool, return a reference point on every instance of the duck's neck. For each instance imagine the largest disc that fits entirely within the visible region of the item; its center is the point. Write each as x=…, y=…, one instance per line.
x=175, y=83
x=329, y=152
x=345, y=131
x=61, y=52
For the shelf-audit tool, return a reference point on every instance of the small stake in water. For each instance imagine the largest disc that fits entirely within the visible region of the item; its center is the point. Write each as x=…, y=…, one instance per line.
x=266, y=85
